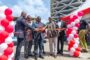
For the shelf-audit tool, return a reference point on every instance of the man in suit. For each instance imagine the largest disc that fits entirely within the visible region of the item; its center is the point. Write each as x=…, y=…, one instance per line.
x=61, y=37
x=19, y=33
x=52, y=35
x=38, y=39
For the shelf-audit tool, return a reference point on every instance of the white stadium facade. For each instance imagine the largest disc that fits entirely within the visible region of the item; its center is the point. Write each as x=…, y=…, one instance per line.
x=61, y=8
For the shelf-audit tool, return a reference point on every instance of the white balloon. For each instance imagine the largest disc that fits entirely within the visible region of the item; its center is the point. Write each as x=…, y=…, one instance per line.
x=2, y=28
x=9, y=58
x=13, y=23
x=2, y=9
x=75, y=45
x=71, y=36
x=2, y=16
x=72, y=15
x=12, y=55
x=68, y=39
x=68, y=26
x=11, y=35
x=74, y=32
x=72, y=50
x=8, y=40
x=76, y=38
x=75, y=28
x=77, y=41
x=77, y=21
x=3, y=46
x=71, y=53
x=1, y=53
x=73, y=24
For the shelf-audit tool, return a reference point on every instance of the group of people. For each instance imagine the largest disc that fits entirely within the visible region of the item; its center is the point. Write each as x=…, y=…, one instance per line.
x=32, y=33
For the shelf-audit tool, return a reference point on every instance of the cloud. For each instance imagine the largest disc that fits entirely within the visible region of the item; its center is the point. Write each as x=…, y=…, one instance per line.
x=16, y=10
x=44, y=21
x=32, y=7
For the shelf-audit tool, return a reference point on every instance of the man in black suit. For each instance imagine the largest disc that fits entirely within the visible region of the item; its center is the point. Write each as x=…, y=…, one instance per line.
x=61, y=37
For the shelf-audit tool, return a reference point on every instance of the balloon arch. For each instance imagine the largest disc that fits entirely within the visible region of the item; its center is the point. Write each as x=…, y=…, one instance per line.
x=73, y=23
x=6, y=31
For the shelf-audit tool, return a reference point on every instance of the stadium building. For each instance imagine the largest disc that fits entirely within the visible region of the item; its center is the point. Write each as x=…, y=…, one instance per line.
x=61, y=8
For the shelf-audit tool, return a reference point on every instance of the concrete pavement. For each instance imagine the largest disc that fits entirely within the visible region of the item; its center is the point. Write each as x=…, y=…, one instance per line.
x=84, y=56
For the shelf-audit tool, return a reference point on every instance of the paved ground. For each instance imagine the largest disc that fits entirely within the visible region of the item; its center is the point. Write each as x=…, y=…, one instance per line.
x=84, y=56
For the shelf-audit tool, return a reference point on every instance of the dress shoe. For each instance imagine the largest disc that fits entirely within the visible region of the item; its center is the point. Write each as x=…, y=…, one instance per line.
x=40, y=56
x=55, y=56
x=31, y=54
x=44, y=52
x=58, y=52
x=36, y=57
x=26, y=57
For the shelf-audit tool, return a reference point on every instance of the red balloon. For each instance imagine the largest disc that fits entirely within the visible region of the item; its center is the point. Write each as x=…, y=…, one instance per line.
x=11, y=44
x=3, y=36
x=8, y=51
x=86, y=11
x=80, y=13
x=66, y=18
x=76, y=36
x=8, y=11
x=73, y=18
x=69, y=46
x=68, y=22
x=72, y=42
x=3, y=57
x=67, y=35
x=77, y=25
x=69, y=30
x=9, y=17
x=9, y=29
x=4, y=22
x=76, y=54
x=78, y=49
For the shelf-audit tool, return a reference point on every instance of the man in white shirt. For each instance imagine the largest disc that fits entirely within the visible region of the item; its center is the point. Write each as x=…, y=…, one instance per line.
x=61, y=37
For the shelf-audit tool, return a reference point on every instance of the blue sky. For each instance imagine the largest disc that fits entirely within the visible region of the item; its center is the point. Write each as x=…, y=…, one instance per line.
x=32, y=7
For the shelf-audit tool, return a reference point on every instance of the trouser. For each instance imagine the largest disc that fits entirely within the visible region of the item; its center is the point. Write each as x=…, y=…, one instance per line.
x=28, y=47
x=42, y=42
x=43, y=47
x=83, y=42
x=60, y=43
x=53, y=45
x=18, y=48
x=38, y=45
